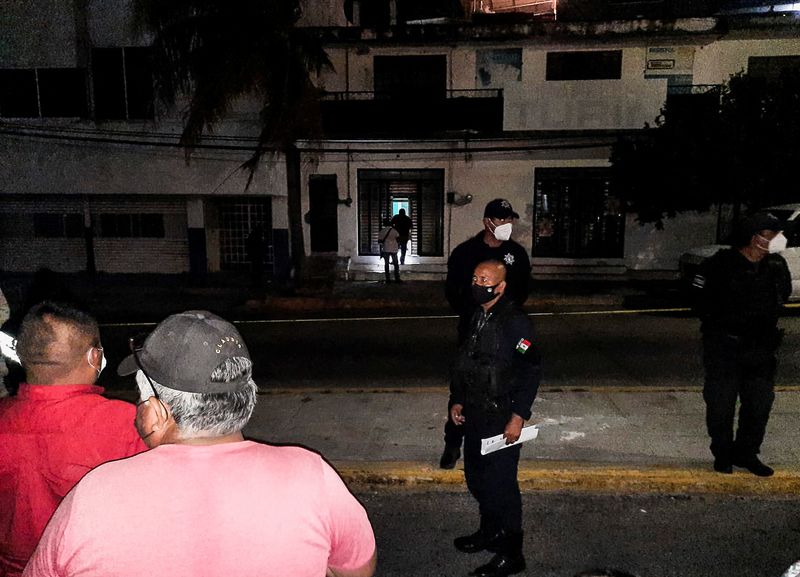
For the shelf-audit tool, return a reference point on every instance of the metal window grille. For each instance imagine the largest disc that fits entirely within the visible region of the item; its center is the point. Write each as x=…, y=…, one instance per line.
x=577, y=215
x=237, y=219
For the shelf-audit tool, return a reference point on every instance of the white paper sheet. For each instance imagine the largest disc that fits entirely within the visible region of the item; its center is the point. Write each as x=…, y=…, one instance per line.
x=8, y=347
x=497, y=442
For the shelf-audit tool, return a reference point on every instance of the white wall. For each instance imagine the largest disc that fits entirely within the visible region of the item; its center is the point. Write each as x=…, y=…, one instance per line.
x=79, y=167
x=38, y=33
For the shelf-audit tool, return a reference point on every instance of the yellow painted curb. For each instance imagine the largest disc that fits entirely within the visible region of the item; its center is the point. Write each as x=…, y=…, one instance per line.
x=578, y=477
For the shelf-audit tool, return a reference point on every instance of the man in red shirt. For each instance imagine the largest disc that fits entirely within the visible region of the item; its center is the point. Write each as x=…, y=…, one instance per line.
x=57, y=428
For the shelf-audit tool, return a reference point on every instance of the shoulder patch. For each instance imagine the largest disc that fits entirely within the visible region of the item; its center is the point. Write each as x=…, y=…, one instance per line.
x=699, y=281
x=523, y=345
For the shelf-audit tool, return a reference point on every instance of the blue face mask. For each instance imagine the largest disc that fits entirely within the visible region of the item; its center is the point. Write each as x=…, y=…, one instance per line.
x=483, y=294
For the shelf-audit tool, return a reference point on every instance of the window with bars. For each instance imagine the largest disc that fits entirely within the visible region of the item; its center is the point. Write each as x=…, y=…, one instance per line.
x=576, y=214
x=237, y=219
x=423, y=190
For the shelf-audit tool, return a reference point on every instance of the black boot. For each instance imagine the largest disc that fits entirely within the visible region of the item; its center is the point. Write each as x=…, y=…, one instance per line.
x=480, y=540
x=723, y=464
x=450, y=456
x=509, y=559
x=753, y=464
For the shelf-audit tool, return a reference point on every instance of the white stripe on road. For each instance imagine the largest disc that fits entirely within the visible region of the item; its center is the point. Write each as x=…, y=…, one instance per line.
x=427, y=317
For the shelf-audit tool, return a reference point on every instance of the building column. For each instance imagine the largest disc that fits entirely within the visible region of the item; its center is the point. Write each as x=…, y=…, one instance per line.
x=195, y=217
x=282, y=261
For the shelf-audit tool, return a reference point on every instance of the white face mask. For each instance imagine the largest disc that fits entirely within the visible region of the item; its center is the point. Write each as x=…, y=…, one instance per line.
x=503, y=232
x=777, y=244
x=103, y=361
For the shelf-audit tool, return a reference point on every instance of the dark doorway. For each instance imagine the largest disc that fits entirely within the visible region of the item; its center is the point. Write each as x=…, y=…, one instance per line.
x=323, y=195
x=382, y=193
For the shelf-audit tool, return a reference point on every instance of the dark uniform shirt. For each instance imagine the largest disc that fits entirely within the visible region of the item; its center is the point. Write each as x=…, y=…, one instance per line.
x=402, y=224
x=738, y=297
x=469, y=254
x=497, y=368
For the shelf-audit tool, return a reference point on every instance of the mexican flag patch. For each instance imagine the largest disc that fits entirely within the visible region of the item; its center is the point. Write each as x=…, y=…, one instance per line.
x=522, y=346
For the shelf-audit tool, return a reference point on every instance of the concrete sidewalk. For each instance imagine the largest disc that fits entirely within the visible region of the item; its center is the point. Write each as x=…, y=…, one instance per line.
x=595, y=440
x=150, y=298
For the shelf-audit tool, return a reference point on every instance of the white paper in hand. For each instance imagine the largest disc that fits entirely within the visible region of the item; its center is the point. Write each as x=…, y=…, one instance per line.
x=497, y=442
x=8, y=347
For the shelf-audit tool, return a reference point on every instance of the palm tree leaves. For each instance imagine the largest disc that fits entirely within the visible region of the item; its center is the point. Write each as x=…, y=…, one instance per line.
x=208, y=54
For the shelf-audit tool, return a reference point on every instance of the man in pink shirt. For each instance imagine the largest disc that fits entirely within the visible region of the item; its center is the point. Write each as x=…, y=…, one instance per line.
x=204, y=501
x=57, y=428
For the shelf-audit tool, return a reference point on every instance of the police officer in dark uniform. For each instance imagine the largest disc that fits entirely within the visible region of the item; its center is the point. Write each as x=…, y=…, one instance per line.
x=739, y=293
x=494, y=381
x=492, y=243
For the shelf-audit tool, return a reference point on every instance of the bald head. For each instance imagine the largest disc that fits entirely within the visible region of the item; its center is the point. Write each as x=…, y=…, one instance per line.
x=53, y=344
x=488, y=283
x=493, y=271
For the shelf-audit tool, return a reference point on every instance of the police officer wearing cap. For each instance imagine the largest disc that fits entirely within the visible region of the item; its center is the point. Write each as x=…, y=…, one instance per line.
x=494, y=381
x=738, y=295
x=492, y=243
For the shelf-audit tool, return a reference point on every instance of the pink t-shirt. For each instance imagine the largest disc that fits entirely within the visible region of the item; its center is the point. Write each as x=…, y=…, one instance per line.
x=231, y=509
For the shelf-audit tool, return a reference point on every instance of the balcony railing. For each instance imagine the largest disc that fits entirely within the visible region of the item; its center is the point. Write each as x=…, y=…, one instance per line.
x=412, y=113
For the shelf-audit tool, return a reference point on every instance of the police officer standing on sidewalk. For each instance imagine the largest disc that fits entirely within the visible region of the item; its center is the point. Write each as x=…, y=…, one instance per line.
x=493, y=384
x=492, y=243
x=739, y=293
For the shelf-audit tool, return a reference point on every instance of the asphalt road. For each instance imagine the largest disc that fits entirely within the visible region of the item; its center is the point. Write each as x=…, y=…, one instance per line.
x=579, y=350
x=651, y=536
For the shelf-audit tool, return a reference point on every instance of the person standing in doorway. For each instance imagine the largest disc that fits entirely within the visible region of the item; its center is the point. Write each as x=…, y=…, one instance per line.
x=387, y=239
x=402, y=224
x=492, y=243
x=739, y=293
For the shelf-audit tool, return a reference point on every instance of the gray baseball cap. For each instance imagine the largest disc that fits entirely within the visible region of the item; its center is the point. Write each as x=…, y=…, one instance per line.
x=184, y=350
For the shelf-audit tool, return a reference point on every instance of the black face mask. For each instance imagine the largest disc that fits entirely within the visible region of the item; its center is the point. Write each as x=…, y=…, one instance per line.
x=483, y=294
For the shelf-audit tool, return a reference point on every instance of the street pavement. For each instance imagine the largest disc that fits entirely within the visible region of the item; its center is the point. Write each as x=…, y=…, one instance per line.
x=620, y=441
x=614, y=440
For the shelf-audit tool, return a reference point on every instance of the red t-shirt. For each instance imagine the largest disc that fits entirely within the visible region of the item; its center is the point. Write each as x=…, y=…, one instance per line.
x=50, y=437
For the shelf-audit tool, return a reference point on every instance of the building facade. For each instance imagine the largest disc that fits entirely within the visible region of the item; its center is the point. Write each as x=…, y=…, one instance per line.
x=434, y=107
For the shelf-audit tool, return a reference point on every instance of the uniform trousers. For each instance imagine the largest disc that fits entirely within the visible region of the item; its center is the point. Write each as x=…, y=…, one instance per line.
x=737, y=368
x=492, y=478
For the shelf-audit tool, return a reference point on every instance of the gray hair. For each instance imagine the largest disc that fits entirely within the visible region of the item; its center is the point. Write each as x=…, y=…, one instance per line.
x=207, y=415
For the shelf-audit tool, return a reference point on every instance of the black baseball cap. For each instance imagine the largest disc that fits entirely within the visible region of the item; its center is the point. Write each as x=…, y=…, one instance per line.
x=499, y=208
x=184, y=350
x=759, y=221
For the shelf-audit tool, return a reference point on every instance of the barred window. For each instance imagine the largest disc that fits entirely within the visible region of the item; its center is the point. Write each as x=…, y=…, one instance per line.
x=576, y=214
